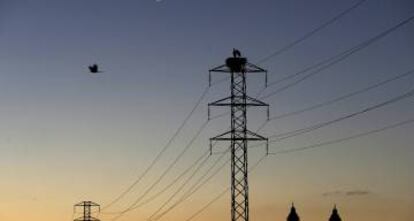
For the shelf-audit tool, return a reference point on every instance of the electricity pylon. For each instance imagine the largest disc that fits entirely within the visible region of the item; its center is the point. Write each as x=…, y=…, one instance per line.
x=238, y=135
x=87, y=210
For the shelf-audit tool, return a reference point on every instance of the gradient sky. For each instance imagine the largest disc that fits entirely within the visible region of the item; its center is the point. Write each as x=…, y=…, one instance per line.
x=68, y=136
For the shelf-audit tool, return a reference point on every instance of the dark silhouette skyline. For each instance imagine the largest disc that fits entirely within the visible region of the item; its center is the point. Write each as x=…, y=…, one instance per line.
x=293, y=215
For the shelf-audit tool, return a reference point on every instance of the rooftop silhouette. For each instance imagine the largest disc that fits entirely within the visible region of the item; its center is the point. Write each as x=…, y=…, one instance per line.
x=293, y=215
x=335, y=216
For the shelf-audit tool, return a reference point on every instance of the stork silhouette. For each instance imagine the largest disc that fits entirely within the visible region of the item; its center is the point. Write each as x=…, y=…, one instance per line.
x=236, y=53
x=94, y=69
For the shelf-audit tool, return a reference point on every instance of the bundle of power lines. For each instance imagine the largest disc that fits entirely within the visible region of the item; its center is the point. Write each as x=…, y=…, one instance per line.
x=189, y=174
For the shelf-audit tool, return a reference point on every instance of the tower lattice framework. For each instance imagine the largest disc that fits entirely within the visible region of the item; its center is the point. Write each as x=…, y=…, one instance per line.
x=238, y=135
x=87, y=207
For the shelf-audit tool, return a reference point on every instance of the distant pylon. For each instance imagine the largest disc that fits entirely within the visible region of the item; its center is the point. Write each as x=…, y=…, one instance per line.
x=237, y=66
x=87, y=207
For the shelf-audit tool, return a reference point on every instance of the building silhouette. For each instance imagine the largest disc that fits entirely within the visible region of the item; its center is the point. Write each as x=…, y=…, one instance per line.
x=293, y=215
x=335, y=216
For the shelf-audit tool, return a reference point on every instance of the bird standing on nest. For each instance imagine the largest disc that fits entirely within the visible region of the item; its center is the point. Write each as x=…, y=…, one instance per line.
x=236, y=53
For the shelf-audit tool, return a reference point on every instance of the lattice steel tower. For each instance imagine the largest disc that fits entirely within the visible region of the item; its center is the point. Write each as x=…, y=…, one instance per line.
x=238, y=135
x=87, y=207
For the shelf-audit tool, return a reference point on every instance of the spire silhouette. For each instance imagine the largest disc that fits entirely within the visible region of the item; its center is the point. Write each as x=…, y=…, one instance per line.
x=293, y=216
x=335, y=216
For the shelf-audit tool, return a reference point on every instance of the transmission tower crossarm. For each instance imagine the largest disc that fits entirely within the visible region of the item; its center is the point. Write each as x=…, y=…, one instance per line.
x=249, y=136
x=87, y=210
x=221, y=102
x=87, y=219
x=228, y=101
x=221, y=68
x=247, y=67
x=87, y=203
x=252, y=68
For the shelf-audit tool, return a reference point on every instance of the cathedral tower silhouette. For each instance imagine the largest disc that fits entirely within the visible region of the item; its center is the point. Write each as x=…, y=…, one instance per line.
x=335, y=216
x=293, y=216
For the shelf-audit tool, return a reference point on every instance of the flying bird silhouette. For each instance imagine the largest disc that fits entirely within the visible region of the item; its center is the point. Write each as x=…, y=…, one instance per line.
x=94, y=69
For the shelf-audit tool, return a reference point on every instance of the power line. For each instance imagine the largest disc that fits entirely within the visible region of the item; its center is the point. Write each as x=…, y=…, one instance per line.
x=342, y=56
x=150, y=199
x=193, y=188
x=337, y=99
x=179, y=189
x=341, y=140
x=347, y=53
x=305, y=70
x=120, y=213
x=221, y=194
x=132, y=206
x=251, y=66
x=191, y=191
x=198, y=181
x=196, y=186
x=204, y=156
x=320, y=125
x=345, y=117
x=301, y=131
x=311, y=33
x=299, y=40
x=163, y=150
x=168, y=144
x=314, y=127
x=322, y=65
x=158, y=156
x=343, y=97
x=332, y=20
x=204, y=94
